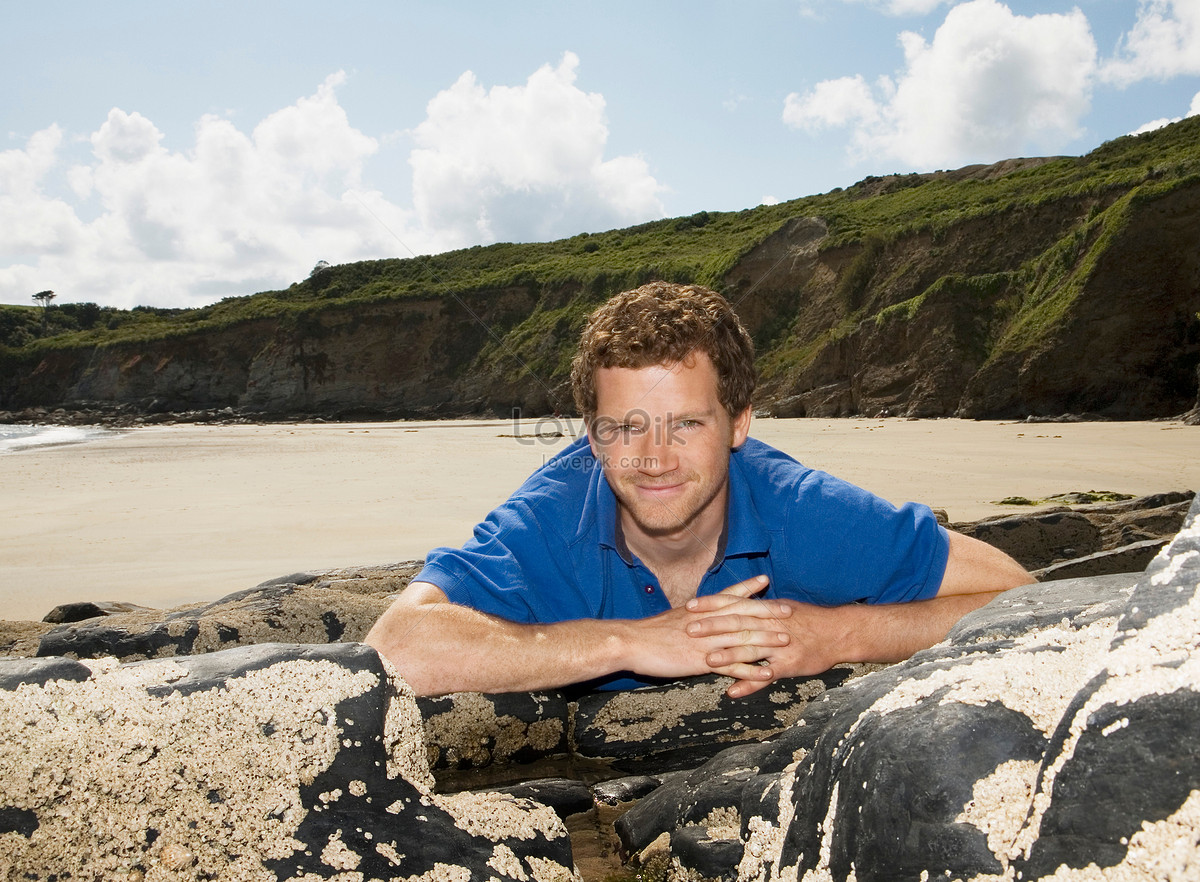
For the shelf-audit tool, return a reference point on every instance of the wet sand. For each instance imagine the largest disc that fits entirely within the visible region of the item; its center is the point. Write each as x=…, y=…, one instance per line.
x=168, y=515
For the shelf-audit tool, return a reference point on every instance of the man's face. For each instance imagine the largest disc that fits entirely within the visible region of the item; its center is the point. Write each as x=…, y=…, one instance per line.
x=663, y=438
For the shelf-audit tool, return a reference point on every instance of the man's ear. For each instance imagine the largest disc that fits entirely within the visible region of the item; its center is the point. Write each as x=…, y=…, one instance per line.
x=741, y=427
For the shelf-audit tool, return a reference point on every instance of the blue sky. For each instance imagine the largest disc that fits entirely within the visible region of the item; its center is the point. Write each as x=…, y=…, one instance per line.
x=174, y=153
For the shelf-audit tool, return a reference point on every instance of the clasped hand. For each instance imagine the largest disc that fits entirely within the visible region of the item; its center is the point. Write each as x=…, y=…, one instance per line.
x=756, y=641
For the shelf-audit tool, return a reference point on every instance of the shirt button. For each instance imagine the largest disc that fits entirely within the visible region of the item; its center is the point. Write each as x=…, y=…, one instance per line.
x=649, y=589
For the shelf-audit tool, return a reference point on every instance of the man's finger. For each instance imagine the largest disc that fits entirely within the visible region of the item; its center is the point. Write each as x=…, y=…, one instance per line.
x=733, y=594
x=742, y=688
x=762, y=648
x=752, y=673
x=759, y=620
x=748, y=588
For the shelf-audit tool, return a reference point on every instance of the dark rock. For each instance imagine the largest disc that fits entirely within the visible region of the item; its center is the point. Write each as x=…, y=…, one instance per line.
x=664, y=728
x=626, y=789
x=17, y=671
x=566, y=796
x=1037, y=540
x=694, y=798
x=78, y=612
x=1131, y=558
x=1042, y=605
x=1054, y=729
x=292, y=760
x=699, y=853
x=338, y=606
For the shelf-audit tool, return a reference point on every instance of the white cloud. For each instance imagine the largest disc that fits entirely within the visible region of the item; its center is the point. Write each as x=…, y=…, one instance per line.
x=989, y=85
x=234, y=214
x=521, y=163
x=138, y=223
x=1164, y=43
x=34, y=222
x=832, y=104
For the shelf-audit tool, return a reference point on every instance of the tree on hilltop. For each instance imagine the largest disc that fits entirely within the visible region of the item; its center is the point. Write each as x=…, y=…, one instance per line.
x=43, y=298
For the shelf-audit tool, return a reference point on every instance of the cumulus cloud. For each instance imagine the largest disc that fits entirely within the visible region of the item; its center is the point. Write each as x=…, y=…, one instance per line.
x=1164, y=43
x=521, y=163
x=990, y=84
x=34, y=222
x=237, y=212
x=233, y=214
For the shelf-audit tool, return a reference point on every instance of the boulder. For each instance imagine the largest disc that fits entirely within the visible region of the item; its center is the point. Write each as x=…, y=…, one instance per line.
x=336, y=606
x=264, y=762
x=89, y=609
x=1052, y=734
x=1102, y=537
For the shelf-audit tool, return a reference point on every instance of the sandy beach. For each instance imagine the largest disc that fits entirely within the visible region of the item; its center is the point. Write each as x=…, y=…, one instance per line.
x=168, y=515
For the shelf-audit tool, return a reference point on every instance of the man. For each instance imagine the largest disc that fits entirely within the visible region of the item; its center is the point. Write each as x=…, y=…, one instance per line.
x=667, y=543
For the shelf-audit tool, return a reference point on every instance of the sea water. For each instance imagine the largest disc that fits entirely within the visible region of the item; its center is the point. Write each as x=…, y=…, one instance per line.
x=22, y=437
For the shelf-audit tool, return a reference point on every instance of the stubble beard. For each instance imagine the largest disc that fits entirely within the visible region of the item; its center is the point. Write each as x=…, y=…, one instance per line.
x=666, y=518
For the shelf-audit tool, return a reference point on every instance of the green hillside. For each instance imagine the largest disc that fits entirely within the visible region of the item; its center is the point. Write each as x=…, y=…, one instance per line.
x=1007, y=248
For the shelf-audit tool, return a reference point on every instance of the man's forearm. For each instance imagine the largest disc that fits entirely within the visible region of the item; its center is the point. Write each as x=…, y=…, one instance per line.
x=442, y=647
x=894, y=631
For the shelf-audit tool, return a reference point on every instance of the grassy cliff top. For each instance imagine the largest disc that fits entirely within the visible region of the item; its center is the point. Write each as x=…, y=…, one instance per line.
x=701, y=248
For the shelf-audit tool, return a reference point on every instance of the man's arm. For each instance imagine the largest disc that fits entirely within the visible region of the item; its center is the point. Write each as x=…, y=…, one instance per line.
x=825, y=636
x=442, y=647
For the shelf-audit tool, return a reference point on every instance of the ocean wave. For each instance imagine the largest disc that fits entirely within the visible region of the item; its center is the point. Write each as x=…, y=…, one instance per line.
x=17, y=438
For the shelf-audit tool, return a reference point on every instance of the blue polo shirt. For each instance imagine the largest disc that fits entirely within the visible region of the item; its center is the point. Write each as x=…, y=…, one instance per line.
x=552, y=552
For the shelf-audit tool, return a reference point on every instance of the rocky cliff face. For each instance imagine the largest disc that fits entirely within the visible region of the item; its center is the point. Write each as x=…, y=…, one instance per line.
x=1085, y=302
x=976, y=323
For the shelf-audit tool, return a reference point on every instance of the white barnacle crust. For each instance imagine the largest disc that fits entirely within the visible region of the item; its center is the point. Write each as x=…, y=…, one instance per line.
x=764, y=844
x=499, y=816
x=404, y=733
x=724, y=822
x=636, y=716
x=999, y=804
x=1161, y=658
x=506, y=862
x=545, y=870
x=441, y=873
x=472, y=724
x=138, y=761
x=337, y=855
x=1174, y=566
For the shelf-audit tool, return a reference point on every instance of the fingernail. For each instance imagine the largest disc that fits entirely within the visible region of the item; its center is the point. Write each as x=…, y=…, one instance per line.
x=692, y=604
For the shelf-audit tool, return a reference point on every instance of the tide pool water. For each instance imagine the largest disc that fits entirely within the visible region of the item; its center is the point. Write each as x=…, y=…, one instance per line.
x=23, y=437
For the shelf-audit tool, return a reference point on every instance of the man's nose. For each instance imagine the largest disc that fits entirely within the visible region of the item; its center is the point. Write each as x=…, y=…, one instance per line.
x=658, y=452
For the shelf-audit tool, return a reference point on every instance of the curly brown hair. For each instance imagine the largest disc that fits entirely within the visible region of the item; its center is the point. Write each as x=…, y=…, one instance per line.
x=664, y=323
